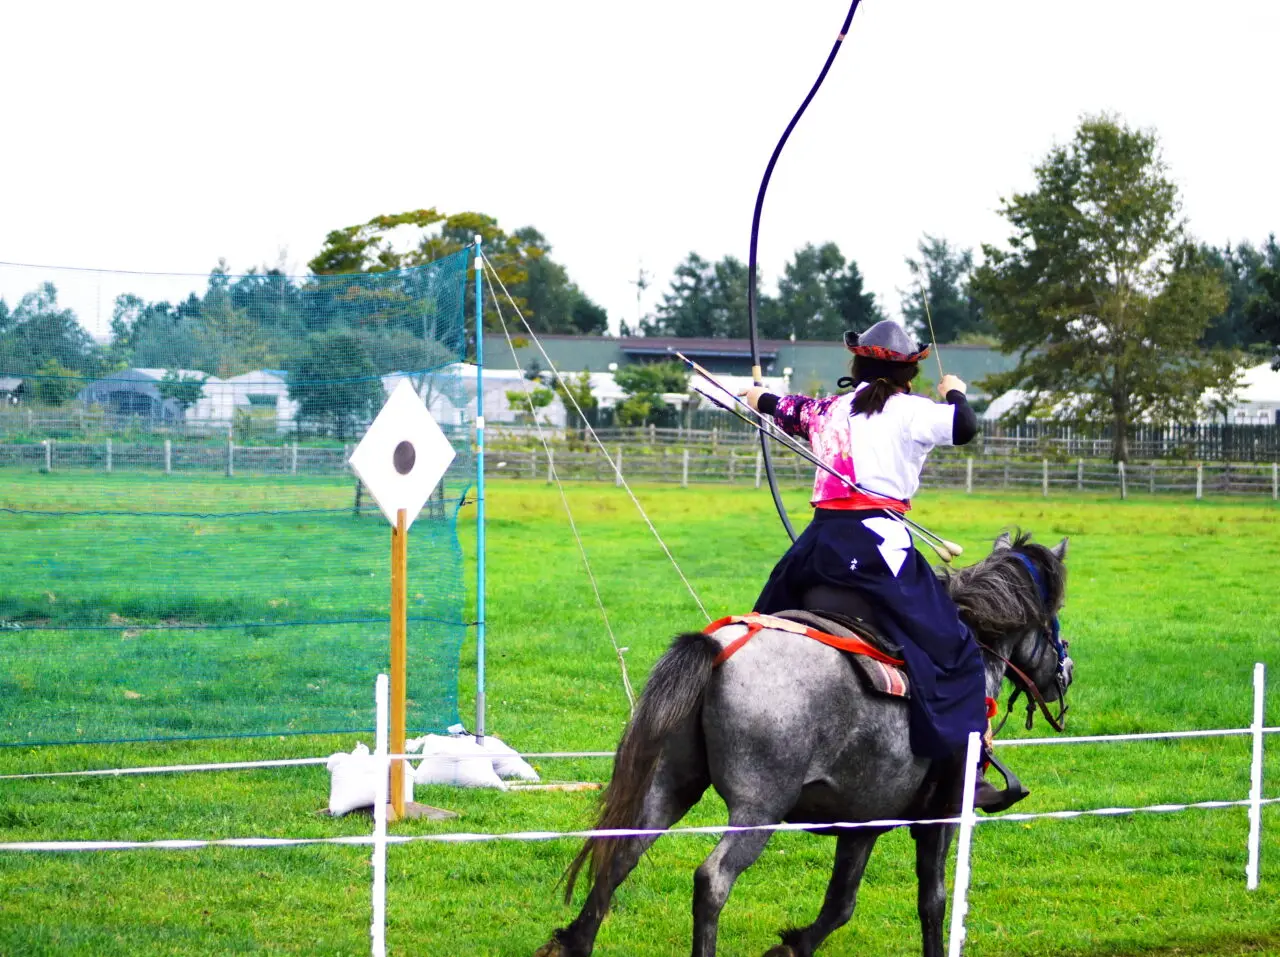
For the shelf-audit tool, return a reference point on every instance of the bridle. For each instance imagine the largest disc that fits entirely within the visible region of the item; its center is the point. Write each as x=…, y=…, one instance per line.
x=1022, y=684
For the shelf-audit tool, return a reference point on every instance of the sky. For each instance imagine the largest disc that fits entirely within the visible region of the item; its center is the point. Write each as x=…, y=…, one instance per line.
x=163, y=137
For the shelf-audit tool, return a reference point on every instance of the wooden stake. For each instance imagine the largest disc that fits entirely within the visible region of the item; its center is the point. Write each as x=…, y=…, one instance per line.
x=399, y=658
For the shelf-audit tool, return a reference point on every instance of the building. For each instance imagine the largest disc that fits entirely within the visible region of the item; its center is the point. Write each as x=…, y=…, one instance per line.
x=137, y=392
x=13, y=390
x=806, y=366
x=262, y=394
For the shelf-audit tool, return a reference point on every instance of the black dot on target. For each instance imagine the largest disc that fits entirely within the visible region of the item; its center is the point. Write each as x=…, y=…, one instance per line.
x=403, y=457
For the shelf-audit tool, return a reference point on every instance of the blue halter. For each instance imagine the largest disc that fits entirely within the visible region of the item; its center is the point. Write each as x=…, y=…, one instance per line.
x=1042, y=586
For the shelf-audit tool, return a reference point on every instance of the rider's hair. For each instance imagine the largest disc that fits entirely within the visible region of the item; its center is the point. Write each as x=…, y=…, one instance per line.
x=884, y=379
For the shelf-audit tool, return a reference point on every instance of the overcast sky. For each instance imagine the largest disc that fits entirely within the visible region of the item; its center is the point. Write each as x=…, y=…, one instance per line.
x=161, y=137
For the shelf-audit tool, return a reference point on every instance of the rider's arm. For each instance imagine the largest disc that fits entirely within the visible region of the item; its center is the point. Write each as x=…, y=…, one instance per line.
x=933, y=423
x=793, y=413
x=965, y=425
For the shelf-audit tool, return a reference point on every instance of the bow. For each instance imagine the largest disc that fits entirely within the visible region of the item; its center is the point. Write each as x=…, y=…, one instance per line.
x=756, y=374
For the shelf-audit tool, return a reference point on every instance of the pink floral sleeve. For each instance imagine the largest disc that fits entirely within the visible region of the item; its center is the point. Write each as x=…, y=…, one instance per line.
x=798, y=414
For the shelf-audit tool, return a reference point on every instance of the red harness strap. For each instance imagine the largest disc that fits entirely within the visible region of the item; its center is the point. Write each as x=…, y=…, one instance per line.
x=755, y=623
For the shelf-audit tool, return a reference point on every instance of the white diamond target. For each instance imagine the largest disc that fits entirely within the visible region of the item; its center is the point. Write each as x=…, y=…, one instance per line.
x=403, y=456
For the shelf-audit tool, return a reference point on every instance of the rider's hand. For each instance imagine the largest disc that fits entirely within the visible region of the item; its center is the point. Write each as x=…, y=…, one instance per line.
x=752, y=396
x=950, y=382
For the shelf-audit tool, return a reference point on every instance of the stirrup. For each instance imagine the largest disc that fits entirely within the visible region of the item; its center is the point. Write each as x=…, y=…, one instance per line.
x=990, y=799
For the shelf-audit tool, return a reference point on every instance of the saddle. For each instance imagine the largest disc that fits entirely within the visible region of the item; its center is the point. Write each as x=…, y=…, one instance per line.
x=873, y=657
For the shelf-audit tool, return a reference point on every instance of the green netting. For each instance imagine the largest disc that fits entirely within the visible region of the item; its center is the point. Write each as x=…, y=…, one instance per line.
x=187, y=553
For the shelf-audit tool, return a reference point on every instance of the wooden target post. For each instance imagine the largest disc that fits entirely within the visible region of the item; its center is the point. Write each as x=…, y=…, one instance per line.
x=401, y=460
x=399, y=656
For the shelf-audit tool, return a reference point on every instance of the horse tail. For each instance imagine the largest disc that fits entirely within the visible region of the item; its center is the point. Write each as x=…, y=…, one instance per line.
x=670, y=698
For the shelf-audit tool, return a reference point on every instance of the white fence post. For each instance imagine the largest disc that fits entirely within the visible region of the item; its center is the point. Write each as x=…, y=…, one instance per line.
x=48, y=455
x=733, y=462
x=231, y=457
x=1199, y=481
x=759, y=465
x=1275, y=481
x=1079, y=475
x=108, y=455
x=1044, y=477
x=382, y=776
x=617, y=475
x=1151, y=480
x=293, y=459
x=964, y=845
x=1255, y=777
x=1124, y=486
x=551, y=464
x=168, y=456
x=968, y=475
x=684, y=469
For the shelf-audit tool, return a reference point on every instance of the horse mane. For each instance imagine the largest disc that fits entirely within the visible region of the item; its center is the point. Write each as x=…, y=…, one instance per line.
x=994, y=596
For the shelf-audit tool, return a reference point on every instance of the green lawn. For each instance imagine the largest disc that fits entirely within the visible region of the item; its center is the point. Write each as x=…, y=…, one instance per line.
x=1169, y=607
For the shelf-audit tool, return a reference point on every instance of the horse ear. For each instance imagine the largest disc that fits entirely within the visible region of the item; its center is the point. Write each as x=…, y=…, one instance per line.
x=1060, y=550
x=1005, y=540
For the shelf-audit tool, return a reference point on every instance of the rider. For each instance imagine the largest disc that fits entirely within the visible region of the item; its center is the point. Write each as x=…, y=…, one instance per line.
x=878, y=435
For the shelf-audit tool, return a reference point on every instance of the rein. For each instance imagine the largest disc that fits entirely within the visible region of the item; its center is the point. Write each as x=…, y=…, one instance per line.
x=1024, y=684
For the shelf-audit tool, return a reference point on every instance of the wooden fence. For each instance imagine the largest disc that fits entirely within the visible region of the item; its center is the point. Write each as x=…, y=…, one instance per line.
x=731, y=463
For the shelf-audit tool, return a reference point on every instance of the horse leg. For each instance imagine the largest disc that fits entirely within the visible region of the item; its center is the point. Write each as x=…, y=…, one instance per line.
x=853, y=850
x=714, y=878
x=670, y=796
x=931, y=874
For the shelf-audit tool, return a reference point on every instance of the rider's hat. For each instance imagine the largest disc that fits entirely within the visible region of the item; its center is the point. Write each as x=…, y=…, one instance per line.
x=887, y=341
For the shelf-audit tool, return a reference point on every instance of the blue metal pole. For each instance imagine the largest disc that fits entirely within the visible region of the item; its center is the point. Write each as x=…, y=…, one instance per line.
x=479, y=265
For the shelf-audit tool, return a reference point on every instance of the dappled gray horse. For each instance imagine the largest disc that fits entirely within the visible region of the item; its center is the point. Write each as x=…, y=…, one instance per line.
x=785, y=731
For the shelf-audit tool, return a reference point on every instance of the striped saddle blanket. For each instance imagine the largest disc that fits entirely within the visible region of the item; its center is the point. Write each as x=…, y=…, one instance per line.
x=883, y=672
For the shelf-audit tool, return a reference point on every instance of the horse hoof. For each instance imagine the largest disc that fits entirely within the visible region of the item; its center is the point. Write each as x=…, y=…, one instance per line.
x=781, y=950
x=552, y=948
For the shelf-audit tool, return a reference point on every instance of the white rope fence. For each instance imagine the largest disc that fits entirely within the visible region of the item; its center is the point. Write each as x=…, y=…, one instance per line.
x=379, y=840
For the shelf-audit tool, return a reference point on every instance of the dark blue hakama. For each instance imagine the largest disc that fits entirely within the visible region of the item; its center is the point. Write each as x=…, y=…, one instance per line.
x=912, y=607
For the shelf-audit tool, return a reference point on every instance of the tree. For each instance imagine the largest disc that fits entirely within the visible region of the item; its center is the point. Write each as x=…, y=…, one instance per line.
x=335, y=383
x=1263, y=310
x=38, y=330
x=555, y=303
x=1100, y=292
x=942, y=273
x=539, y=287
x=55, y=384
x=1241, y=268
x=820, y=296
x=705, y=299
x=526, y=404
x=182, y=389
x=575, y=390
x=645, y=385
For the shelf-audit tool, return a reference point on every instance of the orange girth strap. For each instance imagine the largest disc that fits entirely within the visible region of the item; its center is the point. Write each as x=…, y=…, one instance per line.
x=755, y=622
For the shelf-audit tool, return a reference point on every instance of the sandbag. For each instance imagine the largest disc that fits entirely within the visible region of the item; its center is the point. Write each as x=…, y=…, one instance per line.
x=353, y=780
x=454, y=760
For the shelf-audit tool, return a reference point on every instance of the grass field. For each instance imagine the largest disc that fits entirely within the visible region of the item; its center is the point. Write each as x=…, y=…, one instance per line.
x=1169, y=606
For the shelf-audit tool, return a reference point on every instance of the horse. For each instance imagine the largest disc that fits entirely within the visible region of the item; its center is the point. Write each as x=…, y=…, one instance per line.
x=786, y=731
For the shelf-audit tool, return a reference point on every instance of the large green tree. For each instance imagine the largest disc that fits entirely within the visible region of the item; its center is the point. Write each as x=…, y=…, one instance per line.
x=941, y=293
x=540, y=287
x=1100, y=292
x=1263, y=309
x=38, y=330
x=645, y=384
x=820, y=295
x=335, y=383
x=1242, y=268
x=705, y=299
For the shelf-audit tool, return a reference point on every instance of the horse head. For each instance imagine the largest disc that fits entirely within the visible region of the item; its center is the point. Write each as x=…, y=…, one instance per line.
x=1011, y=600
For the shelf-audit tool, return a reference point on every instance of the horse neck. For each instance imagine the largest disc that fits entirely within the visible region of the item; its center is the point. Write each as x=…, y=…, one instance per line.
x=993, y=665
